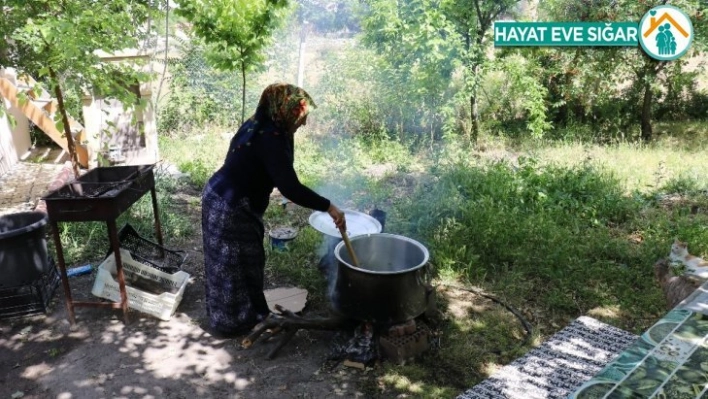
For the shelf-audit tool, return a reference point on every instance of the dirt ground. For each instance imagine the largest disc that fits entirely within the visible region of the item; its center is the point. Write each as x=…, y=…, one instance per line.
x=43, y=356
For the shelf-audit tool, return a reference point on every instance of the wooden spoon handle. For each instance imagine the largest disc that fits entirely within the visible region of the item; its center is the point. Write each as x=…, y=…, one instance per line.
x=348, y=243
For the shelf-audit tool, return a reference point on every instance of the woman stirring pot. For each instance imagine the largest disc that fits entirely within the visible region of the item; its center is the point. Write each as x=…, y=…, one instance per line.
x=260, y=158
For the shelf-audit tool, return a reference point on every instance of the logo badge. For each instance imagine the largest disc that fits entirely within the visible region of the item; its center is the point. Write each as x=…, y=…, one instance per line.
x=665, y=33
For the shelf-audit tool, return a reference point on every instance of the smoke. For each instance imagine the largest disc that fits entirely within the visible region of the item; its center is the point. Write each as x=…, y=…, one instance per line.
x=310, y=51
x=328, y=264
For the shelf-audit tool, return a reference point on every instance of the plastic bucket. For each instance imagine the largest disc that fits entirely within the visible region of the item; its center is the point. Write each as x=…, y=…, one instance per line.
x=23, y=248
x=281, y=236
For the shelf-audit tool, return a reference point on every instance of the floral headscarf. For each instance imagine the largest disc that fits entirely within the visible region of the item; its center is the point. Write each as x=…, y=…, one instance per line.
x=284, y=104
x=281, y=104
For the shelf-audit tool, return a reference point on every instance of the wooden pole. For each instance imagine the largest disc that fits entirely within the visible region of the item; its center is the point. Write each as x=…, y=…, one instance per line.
x=350, y=249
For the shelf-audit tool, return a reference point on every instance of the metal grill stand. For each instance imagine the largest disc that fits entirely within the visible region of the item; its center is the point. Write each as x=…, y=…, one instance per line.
x=101, y=195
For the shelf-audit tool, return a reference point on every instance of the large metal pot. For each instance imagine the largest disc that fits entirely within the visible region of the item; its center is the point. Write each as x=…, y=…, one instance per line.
x=390, y=284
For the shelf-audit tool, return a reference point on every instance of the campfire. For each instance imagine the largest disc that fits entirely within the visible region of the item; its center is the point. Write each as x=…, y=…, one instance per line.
x=383, y=306
x=363, y=343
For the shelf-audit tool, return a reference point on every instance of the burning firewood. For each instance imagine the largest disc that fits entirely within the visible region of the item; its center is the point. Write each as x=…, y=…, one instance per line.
x=290, y=323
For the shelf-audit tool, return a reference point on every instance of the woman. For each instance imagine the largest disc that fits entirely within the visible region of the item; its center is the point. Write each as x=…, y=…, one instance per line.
x=260, y=157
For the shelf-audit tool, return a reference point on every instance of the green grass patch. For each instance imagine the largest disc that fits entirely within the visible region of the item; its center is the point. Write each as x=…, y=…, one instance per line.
x=199, y=154
x=554, y=241
x=555, y=230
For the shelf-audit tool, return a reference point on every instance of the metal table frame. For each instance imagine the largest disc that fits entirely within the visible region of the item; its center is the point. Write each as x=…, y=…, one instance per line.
x=108, y=212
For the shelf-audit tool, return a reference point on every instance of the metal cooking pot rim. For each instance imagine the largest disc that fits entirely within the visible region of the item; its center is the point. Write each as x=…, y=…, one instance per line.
x=426, y=254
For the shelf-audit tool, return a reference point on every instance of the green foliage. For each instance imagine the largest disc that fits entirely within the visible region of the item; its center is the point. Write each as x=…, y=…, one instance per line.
x=199, y=172
x=418, y=50
x=363, y=94
x=605, y=87
x=198, y=155
x=198, y=94
x=67, y=37
x=235, y=32
x=684, y=184
x=521, y=97
x=547, y=224
x=431, y=65
x=381, y=149
x=332, y=16
x=472, y=19
x=354, y=95
x=681, y=99
x=60, y=42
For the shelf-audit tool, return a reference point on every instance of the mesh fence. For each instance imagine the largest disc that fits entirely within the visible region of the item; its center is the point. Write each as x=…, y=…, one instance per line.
x=195, y=94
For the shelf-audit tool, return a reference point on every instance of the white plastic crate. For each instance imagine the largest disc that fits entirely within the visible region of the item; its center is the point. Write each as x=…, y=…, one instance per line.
x=162, y=306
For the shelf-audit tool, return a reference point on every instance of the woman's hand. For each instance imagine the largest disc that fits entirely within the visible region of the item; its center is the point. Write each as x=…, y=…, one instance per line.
x=338, y=217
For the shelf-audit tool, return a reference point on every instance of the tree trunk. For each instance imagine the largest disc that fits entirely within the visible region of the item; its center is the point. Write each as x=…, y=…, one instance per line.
x=484, y=22
x=243, y=93
x=167, y=51
x=474, y=105
x=564, y=109
x=646, y=112
x=474, y=130
x=648, y=74
x=71, y=145
x=471, y=133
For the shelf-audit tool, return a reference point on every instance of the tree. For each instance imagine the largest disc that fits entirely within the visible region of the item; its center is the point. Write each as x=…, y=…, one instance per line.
x=433, y=38
x=60, y=40
x=472, y=20
x=597, y=73
x=235, y=31
x=649, y=72
x=417, y=41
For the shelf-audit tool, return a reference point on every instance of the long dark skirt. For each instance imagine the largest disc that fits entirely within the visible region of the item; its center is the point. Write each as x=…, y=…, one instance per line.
x=234, y=260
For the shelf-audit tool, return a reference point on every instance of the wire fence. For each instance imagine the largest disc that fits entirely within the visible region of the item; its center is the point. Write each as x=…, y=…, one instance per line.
x=196, y=94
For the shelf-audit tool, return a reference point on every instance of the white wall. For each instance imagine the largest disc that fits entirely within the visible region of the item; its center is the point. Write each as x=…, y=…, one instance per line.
x=15, y=139
x=8, y=156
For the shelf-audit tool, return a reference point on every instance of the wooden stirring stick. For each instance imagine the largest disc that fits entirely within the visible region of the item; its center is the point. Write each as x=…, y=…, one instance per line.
x=345, y=237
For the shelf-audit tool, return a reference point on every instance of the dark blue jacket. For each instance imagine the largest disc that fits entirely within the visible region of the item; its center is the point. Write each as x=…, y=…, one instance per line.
x=260, y=158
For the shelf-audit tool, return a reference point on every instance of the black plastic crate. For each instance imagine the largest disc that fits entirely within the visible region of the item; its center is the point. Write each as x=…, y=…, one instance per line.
x=150, y=253
x=30, y=298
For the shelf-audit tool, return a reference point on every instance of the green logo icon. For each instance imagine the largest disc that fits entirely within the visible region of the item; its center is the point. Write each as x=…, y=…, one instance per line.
x=665, y=33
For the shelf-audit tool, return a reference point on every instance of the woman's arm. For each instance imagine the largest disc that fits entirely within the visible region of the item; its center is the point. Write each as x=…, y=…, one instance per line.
x=338, y=216
x=278, y=161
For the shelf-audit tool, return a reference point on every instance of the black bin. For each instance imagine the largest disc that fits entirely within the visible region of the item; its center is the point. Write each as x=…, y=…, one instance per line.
x=23, y=248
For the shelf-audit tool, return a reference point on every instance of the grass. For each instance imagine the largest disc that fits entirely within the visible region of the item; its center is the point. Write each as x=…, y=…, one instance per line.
x=643, y=169
x=196, y=153
x=554, y=230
